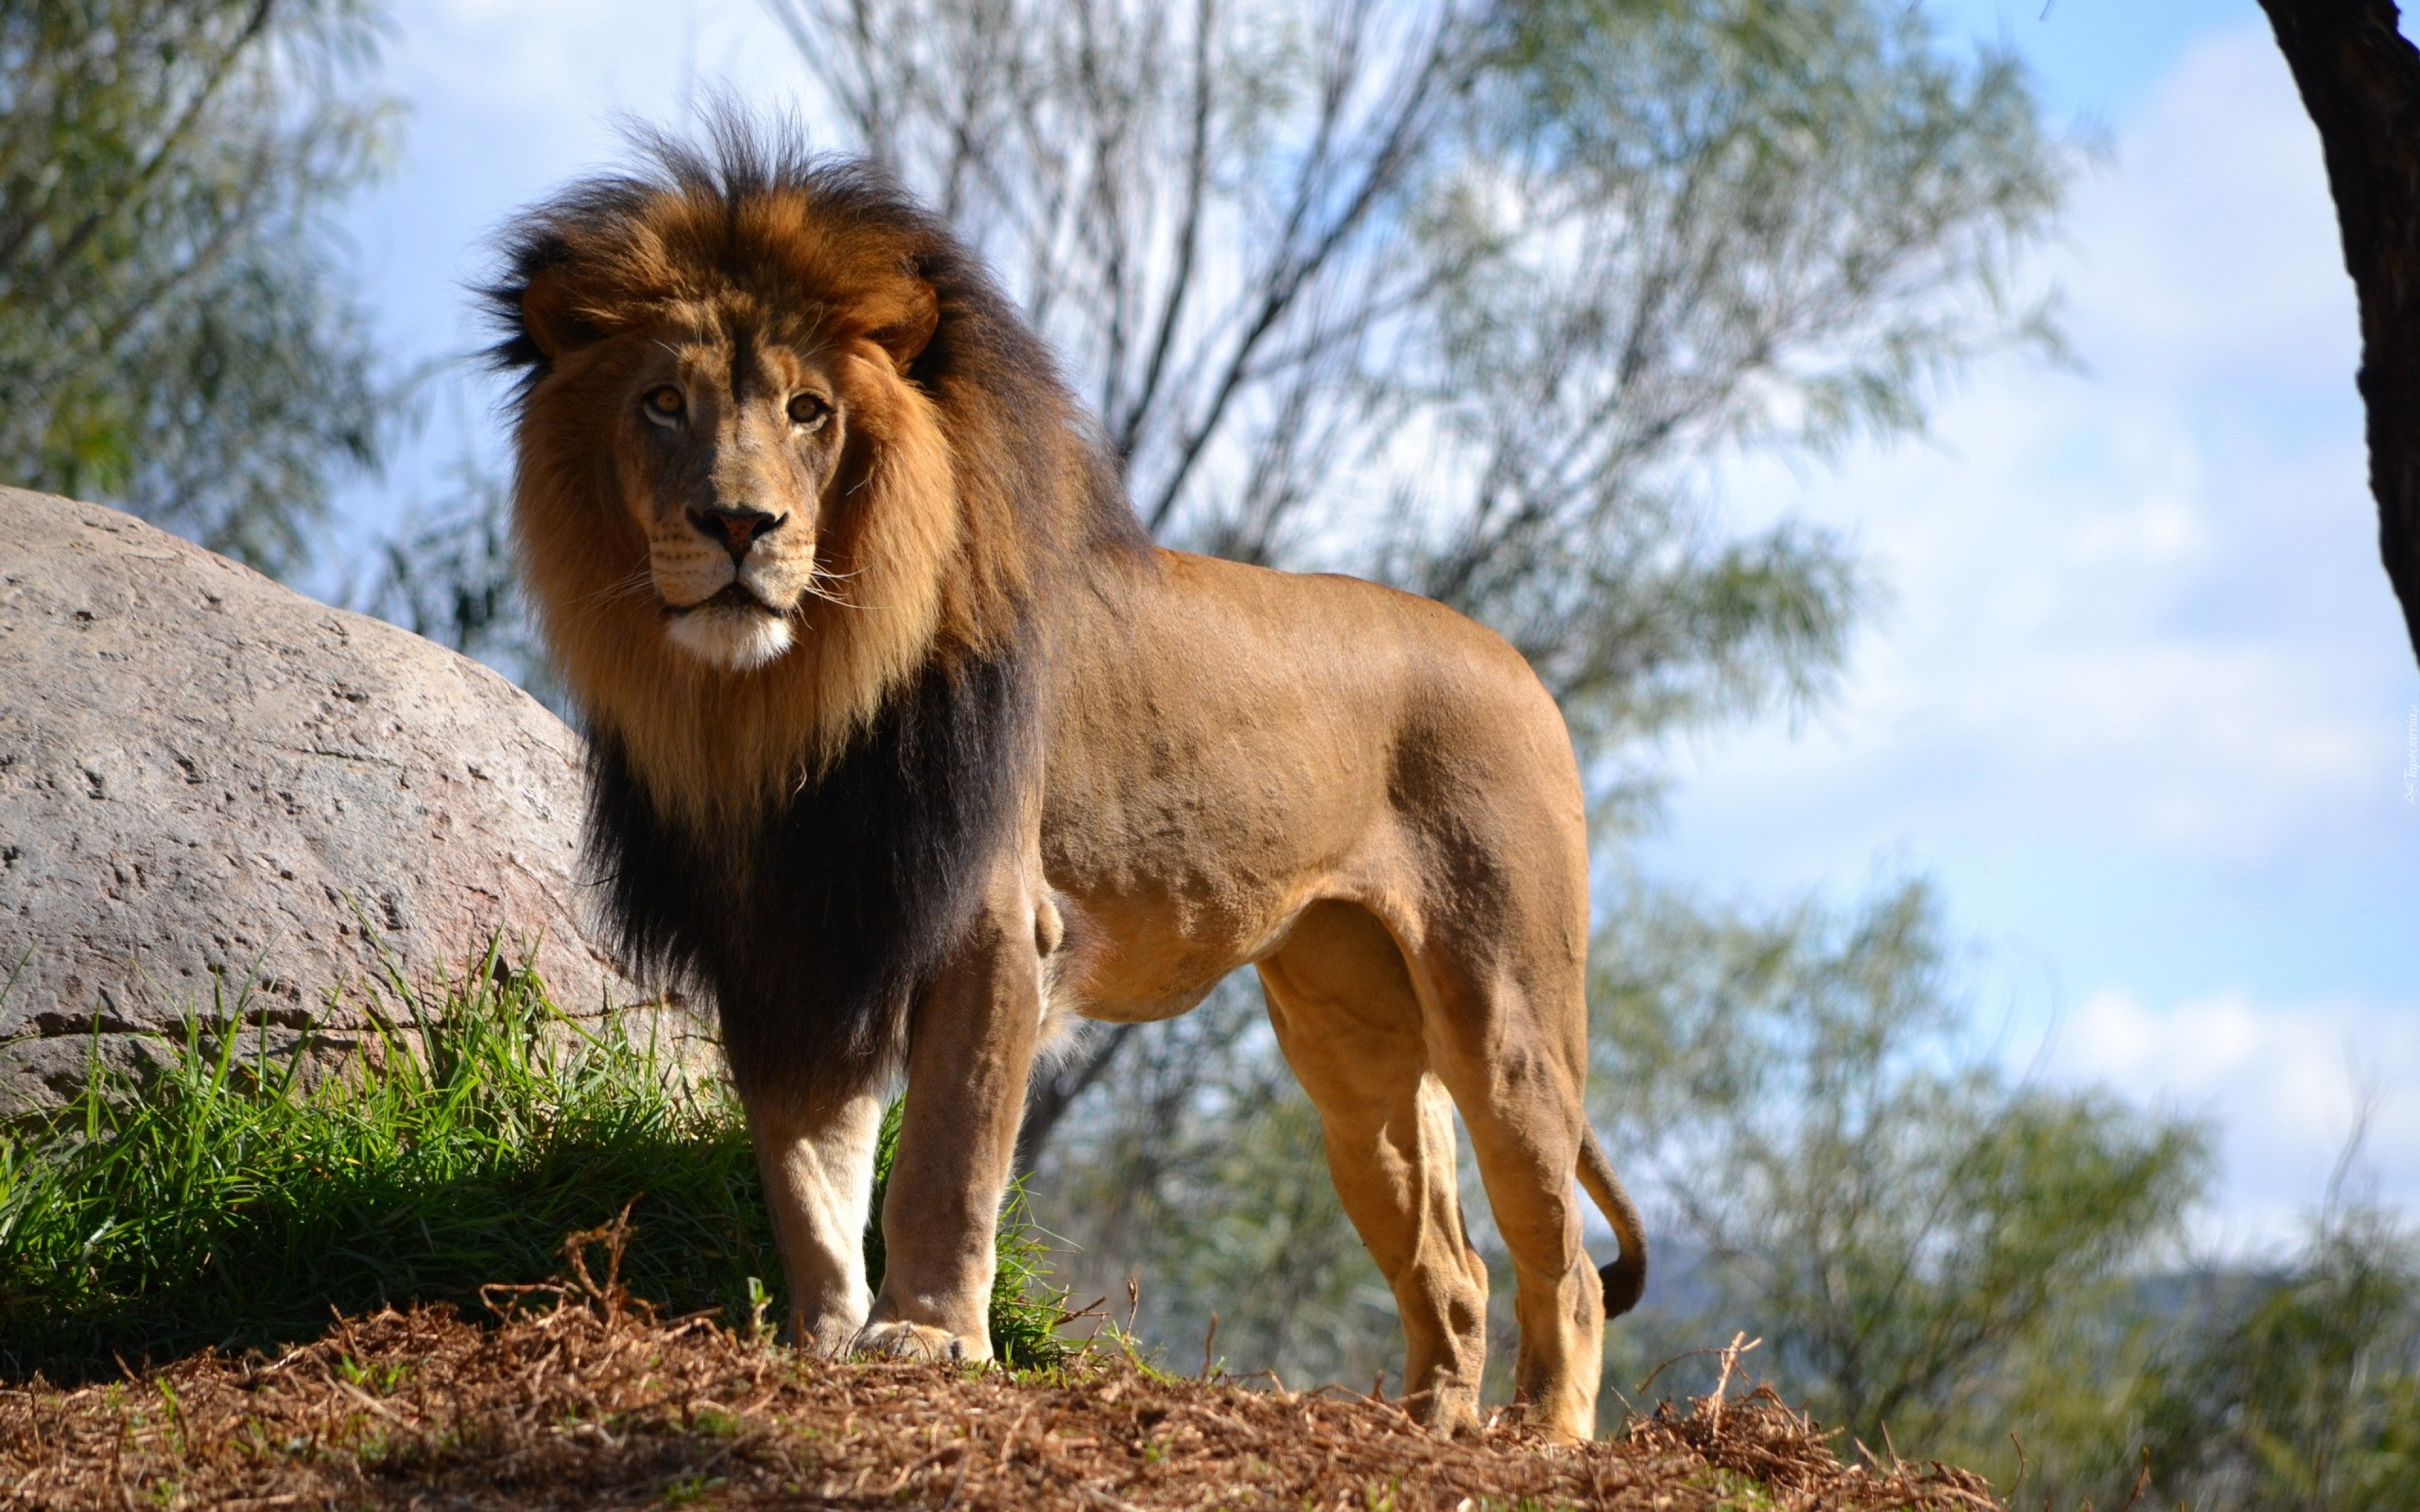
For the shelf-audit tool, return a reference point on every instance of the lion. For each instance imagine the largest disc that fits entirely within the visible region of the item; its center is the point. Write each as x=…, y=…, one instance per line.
x=908, y=746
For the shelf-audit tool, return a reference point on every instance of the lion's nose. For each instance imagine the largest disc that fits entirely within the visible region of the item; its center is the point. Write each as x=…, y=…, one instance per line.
x=736, y=525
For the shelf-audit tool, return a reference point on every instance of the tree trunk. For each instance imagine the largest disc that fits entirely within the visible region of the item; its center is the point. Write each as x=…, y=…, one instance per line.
x=2360, y=80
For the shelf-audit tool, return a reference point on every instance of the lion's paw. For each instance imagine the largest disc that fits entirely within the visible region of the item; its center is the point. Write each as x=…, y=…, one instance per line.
x=919, y=1342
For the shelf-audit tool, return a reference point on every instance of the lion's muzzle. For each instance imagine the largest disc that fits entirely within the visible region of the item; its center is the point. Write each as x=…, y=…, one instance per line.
x=728, y=576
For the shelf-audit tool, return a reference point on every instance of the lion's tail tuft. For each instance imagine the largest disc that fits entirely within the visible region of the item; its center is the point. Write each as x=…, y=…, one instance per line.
x=1625, y=1277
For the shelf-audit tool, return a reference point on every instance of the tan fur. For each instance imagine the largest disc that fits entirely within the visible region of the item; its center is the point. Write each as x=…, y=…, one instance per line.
x=1364, y=794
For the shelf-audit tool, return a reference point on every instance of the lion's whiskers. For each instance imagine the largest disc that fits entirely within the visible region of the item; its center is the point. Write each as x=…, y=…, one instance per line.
x=817, y=591
x=819, y=576
x=598, y=600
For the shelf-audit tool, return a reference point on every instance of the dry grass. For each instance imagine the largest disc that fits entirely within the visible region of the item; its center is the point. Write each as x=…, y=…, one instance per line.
x=580, y=1397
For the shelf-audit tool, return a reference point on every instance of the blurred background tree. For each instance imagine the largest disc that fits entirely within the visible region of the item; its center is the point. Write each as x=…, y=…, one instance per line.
x=1851, y=1177
x=2298, y=1384
x=175, y=336
x=446, y=570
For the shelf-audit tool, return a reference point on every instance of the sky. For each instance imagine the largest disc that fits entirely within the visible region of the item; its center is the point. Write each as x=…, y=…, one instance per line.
x=2140, y=702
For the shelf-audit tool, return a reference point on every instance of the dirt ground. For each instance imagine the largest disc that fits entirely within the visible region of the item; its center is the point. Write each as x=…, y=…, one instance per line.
x=580, y=1398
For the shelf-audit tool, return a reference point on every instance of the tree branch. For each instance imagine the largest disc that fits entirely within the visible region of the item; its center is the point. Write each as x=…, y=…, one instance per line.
x=1048, y=1097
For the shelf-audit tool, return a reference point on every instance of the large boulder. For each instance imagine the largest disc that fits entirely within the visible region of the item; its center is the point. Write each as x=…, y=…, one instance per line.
x=215, y=791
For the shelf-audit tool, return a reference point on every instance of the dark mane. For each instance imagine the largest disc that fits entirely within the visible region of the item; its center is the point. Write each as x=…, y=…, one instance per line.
x=815, y=930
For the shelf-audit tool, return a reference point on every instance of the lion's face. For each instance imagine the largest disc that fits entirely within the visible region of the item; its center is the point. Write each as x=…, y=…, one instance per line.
x=737, y=493
x=727, y=454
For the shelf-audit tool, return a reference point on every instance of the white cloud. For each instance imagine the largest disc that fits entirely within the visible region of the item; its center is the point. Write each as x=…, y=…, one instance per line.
x=2285, y=1082
x=2142, y=602
x=2201, y=246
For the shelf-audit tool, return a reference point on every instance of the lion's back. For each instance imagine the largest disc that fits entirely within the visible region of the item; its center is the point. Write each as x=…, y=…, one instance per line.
x=1299, y=719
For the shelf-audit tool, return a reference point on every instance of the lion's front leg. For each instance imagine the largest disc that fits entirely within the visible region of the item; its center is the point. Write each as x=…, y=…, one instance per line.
x=816, y=1155
x=969, y=1045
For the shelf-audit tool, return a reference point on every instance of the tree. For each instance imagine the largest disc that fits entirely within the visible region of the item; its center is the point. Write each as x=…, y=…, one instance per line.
x=1463, y=296
x=172, y=336
x=2360, y=80
x=2298, y=1387
x=1861, y=1189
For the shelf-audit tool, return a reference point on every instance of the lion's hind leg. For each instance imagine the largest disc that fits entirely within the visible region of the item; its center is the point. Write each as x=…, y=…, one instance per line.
x=1350, y=1026
x=1510, y=1044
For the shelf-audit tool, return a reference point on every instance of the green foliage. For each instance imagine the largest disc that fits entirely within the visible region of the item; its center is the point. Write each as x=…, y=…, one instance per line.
x=2298, y=1388
x=1894, y=1218
x=1787, y=168
x=221, y=1201
x=172, y=336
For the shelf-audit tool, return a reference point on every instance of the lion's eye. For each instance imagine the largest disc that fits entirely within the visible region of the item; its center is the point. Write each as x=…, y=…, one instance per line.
x=662, y=404
x=808, y=410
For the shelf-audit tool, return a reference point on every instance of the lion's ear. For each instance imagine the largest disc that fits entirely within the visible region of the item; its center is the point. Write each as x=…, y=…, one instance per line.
x=904, y=321
x=549, y=318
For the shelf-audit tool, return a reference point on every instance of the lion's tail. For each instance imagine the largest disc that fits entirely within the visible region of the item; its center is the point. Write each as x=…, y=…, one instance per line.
x=1625, y=1277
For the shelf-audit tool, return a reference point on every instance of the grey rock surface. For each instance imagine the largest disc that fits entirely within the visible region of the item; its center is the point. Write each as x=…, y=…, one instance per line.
x=215, y=791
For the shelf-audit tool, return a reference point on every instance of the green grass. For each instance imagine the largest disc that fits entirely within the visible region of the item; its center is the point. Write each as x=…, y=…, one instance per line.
x=219, y=1200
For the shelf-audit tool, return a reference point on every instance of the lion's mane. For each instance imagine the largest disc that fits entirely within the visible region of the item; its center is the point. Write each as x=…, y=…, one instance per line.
x=806, y=839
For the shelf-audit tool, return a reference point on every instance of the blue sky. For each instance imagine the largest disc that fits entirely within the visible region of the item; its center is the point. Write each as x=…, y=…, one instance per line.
x=2140, y=702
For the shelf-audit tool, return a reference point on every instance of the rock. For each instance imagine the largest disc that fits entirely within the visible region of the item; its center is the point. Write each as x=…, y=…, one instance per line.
x=220, y=798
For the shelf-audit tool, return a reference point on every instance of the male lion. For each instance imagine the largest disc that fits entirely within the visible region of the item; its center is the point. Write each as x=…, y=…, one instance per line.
x=908, y=744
